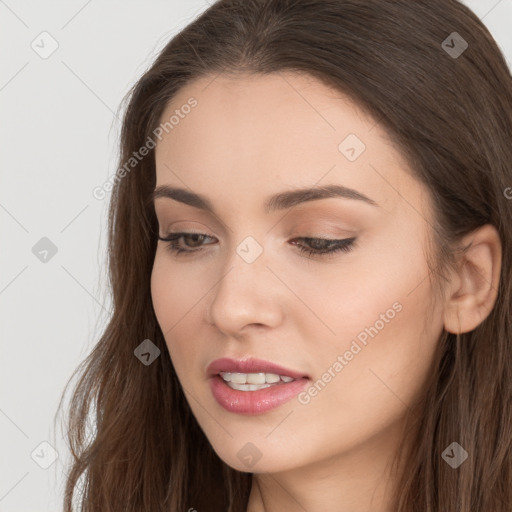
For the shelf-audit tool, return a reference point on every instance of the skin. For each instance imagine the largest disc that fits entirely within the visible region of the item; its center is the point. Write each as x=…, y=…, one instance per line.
x=248, y=138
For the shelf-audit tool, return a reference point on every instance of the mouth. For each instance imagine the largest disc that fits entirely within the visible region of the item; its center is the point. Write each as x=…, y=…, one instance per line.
x=253, y=386
x=252, y=371
x=253, y=381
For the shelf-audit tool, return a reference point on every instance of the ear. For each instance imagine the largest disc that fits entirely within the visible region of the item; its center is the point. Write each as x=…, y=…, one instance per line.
x=474, y=288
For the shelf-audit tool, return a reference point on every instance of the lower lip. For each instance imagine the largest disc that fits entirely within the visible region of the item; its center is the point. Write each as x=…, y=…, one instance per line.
x=255, y=402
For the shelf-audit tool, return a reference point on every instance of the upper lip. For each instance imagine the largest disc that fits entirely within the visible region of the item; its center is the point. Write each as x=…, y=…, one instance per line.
x=250, y=365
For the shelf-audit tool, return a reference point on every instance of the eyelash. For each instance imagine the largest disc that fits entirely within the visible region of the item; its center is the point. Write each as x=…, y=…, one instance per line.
x=345, y=245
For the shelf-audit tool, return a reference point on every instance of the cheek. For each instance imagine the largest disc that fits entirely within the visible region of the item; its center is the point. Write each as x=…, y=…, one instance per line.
x=175, y=289
x=387, y=288
x=387, y=357
x=176, y=300
x=377, y=310
x=364, y=292
x=377, y=380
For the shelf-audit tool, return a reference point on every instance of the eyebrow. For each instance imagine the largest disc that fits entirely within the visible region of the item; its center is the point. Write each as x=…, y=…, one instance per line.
x=279, y=201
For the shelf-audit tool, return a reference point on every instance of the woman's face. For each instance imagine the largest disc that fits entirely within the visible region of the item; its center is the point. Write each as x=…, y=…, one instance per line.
x=351, y=326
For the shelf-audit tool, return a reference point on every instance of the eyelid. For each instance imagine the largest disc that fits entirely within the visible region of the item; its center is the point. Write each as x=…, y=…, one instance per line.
x=170, y=228
x=319, y=221
x=321, y=232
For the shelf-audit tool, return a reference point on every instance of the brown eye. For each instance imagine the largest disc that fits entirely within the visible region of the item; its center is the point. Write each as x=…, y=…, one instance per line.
x=193, y=241
x=195, y=238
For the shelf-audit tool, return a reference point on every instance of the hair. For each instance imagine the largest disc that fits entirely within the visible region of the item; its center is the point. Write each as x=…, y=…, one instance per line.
x=449, y=116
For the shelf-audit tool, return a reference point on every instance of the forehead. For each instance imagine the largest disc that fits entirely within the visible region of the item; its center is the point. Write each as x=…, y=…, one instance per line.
x=252, y=132
x=276, y=111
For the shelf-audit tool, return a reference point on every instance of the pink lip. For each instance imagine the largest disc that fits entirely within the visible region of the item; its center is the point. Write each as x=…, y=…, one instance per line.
x=253, y=402
x=250, y=365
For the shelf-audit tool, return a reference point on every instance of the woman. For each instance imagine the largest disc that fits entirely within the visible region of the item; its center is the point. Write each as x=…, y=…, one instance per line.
x=310, y=258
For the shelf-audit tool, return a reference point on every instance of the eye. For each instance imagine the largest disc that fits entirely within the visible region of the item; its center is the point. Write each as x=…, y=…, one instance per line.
x=321, y=246
x=314, y=246
x=173, y=239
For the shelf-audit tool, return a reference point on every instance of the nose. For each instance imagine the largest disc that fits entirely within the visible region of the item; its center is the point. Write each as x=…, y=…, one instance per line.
x=248, y=294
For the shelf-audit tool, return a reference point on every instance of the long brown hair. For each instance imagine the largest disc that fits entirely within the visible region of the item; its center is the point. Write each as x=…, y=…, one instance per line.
x=448, y=109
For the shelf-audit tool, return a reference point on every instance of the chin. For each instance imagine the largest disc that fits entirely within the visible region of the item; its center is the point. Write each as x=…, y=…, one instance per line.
x=251, y=457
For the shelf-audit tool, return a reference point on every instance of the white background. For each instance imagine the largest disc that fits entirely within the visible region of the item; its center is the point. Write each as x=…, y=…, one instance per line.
x=59, y=135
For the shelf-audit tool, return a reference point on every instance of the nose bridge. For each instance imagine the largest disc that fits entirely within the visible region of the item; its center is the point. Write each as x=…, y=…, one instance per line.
x=243, y=294
x=245, y=258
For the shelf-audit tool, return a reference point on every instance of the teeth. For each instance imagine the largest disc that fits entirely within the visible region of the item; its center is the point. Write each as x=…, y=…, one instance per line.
x=260, y=380
x=248, y=387
x=272, y=377
x=237, y=378
x=255, y=378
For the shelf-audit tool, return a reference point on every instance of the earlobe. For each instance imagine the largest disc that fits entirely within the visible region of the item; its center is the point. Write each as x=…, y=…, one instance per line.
x=476, y=285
